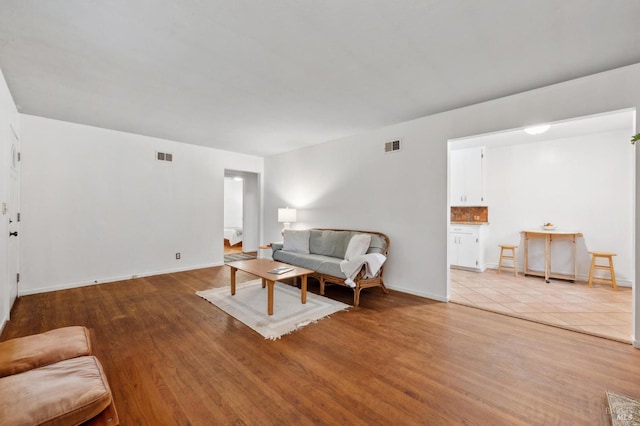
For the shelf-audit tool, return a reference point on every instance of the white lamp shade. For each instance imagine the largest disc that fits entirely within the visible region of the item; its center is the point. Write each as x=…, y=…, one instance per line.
x=287, y=215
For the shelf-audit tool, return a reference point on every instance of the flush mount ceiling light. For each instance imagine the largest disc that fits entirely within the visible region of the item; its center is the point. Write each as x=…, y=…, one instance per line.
x=537, y=130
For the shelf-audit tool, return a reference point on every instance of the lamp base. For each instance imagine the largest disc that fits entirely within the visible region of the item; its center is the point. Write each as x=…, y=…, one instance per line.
x=286, y=226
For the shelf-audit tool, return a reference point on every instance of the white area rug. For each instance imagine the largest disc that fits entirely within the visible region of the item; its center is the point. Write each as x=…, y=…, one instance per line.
x=249, y=305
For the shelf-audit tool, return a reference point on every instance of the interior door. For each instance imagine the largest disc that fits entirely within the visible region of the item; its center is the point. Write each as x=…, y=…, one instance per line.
x=13, y=209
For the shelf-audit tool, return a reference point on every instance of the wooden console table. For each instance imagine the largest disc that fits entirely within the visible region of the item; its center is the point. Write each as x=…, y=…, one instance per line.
x=549, y=236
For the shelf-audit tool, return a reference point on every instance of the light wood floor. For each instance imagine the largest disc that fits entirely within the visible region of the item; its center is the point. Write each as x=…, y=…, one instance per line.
x=232, y=249
x=174, y=359
x=598, y=310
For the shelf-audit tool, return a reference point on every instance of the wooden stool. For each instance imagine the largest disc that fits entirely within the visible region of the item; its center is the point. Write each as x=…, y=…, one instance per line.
x=513, y=258
x=604, y=255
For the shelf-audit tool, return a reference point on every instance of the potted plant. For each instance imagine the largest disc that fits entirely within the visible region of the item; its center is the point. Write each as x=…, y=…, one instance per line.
x=635, y=139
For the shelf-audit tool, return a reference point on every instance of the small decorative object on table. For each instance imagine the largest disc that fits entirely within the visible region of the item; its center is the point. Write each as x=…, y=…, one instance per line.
x=548, y=226
x=280, y=270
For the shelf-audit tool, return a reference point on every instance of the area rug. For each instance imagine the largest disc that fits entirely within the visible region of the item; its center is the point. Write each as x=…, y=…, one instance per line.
x=232, y=257
x=624, y=411
x=249, y=305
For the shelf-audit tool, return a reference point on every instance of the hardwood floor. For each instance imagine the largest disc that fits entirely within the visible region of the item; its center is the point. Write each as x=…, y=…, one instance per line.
x=232, y=249
x=174, y=359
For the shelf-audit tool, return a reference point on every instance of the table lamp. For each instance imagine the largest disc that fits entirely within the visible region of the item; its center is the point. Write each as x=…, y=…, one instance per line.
x=287, y=216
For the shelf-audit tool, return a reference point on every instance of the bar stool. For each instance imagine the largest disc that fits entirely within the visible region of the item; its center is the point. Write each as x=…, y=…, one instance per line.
x=595, y=255
x=512, y=258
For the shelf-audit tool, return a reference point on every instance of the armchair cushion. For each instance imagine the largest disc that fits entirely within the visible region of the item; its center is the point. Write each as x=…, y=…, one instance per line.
x=26, y=353
x=68, y=392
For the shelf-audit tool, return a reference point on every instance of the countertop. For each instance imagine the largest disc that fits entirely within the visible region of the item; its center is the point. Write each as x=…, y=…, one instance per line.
x=469, y=223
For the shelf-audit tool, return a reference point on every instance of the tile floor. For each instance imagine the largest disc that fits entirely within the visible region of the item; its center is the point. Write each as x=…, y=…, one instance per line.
x=599, y=310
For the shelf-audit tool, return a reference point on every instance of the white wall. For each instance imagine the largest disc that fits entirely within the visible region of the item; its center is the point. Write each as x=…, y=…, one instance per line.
x=582, y=183
x=97, y=206
x=233, y=194
x=351, y=183
x=8, y=116
x=252, y=208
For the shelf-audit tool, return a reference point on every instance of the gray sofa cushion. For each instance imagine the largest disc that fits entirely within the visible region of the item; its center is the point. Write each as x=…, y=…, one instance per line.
x=329, y=243
x=309, y=261
x=331, y=266
x=322, y=264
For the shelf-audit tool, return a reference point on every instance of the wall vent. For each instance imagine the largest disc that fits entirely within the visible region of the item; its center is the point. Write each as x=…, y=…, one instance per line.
x=392, y=146
x=164, y=156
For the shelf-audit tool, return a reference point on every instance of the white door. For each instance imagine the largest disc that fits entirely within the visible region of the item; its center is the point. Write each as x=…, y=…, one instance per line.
x=13, y=209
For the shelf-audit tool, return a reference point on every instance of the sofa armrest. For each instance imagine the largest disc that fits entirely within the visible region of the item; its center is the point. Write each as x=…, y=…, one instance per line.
x=276, y=246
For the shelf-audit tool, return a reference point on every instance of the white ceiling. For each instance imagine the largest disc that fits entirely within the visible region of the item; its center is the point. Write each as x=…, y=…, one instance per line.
x=606, y=122
x=263, y=77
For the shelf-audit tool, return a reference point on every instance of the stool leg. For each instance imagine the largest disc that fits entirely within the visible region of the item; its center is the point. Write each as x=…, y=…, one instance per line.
x=500, y=260
x=593, y=263
x=515, y=262
x=613, y=274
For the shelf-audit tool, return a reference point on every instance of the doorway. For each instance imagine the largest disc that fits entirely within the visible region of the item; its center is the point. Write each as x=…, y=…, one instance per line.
x=241, y=215
x=578, y=175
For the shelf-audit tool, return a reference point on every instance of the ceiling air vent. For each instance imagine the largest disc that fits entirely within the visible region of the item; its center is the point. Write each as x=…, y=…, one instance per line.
x=164, y=156
x=392, y=146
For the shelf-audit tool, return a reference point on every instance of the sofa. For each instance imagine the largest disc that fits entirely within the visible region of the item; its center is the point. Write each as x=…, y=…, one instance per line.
x=326, y=251
x=53, y=378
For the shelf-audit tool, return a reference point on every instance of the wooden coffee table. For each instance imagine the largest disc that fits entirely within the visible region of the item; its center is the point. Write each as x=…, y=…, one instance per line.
x=261, y=268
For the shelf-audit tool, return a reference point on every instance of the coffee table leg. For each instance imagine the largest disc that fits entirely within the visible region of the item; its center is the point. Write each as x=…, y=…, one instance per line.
x=303, y=287
x=264, y=283
x=270, y=285
x=233, y=280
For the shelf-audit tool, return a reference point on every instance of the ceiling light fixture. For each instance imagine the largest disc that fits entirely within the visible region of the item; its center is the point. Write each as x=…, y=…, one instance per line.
x=537, y=130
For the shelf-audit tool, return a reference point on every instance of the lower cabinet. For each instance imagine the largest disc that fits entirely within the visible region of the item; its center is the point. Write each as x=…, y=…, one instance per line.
x=466, y=246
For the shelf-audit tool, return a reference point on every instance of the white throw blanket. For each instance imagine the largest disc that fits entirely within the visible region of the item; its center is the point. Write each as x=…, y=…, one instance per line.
x=372, y=263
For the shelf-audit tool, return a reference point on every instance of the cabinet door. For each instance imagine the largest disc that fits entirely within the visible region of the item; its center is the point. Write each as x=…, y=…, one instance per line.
x=453, y=249
x=474, y=177
x=468, y=250
x=457, y=177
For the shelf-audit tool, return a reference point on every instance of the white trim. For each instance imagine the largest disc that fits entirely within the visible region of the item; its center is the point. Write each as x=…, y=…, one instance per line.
x=4, y=322
x=15, y=132
x=635, y=343
x=114, y=279
x=418, y=293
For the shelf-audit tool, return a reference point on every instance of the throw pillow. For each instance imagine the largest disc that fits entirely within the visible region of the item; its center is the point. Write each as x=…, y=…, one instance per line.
x=358, y=245
x=296, y=240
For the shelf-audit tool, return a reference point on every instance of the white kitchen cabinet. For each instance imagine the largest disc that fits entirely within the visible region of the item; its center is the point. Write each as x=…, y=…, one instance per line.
x=466, y=246
x=467, y=177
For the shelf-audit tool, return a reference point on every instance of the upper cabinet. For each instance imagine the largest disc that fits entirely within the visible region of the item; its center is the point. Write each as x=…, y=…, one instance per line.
x=467, y=177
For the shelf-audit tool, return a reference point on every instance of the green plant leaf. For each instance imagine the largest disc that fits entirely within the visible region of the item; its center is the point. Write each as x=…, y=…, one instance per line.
x=635, y=139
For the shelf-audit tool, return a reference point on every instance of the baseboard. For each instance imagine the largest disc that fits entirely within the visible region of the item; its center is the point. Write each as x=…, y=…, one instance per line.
x=113, y=279
x=635, y=343
x=4, y=322
x=417, y=293
x=581, y=277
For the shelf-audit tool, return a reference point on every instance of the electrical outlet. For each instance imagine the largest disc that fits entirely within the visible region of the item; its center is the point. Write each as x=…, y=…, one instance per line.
x=177, y=256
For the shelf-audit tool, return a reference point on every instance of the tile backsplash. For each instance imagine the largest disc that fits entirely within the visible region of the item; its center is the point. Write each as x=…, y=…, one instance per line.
x=470, y=214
